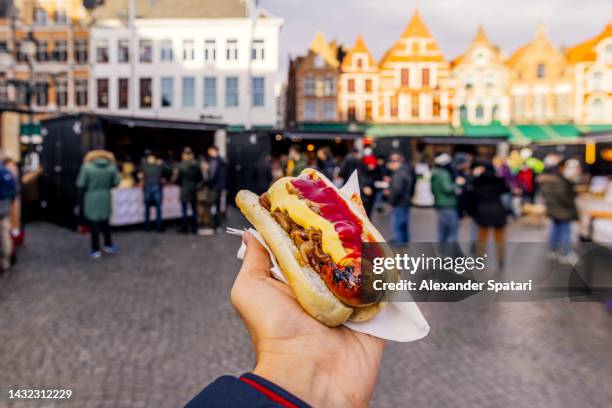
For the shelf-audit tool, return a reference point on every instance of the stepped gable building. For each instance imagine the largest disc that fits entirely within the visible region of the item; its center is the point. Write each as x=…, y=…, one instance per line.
x=481, y=80
x=592, y=62
x=312, y=84
x=358, y=89
x=414, y=78
x=541, y=82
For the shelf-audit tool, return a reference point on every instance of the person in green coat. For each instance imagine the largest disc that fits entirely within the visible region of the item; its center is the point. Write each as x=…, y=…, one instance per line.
x=97, y=176
x=189, y=178
x=445, y=200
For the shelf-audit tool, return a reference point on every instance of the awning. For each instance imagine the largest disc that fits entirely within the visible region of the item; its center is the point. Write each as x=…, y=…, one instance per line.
x=322, y=136
x=399, y=130
x=159, y=123
x=560, y=133
x=493, y=130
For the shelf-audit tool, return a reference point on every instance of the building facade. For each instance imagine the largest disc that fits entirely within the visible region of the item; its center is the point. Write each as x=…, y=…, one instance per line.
x=481, y=83
x=312, y=84
x=592, y=63
x=186, y=60
x=358, y=85
x=541, y=87
x=58, y=68
x=414, y=84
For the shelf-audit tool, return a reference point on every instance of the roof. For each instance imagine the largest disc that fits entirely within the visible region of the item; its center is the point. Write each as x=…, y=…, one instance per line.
x=327, y=50
x=585, y=51
x=118, y=9
x=416, y=27
x=360, y=47
x=540, y=38
x=480, y=38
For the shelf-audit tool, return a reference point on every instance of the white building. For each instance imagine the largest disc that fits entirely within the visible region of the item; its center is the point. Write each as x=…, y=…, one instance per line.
x=191, y=62
x=481, y=80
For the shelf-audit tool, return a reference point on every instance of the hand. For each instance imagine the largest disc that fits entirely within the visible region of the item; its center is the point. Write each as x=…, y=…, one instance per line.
x=325, y=367
x=367, y=191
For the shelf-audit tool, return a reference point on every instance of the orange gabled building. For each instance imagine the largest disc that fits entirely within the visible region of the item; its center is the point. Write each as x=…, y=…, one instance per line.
x=358, y=84
x=592, y=62
x=413, y=82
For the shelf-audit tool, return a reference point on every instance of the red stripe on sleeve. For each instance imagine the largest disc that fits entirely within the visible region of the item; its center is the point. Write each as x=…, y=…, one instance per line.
x=268, y=393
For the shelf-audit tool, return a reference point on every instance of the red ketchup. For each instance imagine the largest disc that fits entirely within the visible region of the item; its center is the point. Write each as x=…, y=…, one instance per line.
x=335, y=210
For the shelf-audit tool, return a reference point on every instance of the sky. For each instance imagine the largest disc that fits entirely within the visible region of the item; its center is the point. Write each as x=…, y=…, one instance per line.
x=509, y=23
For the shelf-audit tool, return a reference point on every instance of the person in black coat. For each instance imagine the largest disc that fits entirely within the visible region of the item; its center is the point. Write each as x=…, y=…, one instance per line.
x=488, y=209
x=215, y=181
x=369, y=174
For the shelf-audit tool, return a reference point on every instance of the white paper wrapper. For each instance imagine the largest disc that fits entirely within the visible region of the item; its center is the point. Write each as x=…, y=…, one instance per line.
x=400, y=322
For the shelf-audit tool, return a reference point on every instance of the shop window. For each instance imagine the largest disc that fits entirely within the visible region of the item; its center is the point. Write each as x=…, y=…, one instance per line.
x=102, y=92
x=123, y=87
x=146, y=93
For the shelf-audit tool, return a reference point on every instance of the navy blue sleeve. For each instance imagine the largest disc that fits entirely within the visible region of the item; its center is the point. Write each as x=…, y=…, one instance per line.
x=249, y=391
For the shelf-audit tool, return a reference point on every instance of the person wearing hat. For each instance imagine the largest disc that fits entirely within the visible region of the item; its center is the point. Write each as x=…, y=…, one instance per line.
x=443, y=188
x=188, y=177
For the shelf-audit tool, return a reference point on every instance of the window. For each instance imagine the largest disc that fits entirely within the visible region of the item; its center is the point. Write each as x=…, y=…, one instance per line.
x=188, y=92
x=80, y=51
x=480, y=57
x=318, y=62
x=123, y=51
x=310, y=86
x=258, y=50
x=80, y=92
x=310, y=110
x=368, y=85
x=469, y=81
x=394, y=106
x=351, y=113
x=60, y=16
x=368, y=110
x=167, y=91
x=518, y=105
x=490, y=80
x=425, y=79
x=210, y=92
x=41, y=51
x=61, y=93
x=166, y=52
x=329, y=110
x=231, y=50
x=598, y=81
x=40, y=16
x=415, y=106
x=146, y=51
x=329, y=86
x=258, y=91
x=210, y=50
x=608, y=54
x=596, y=110
x=123, y=93
x=19, y=55
x=3, y=91
x=3, y=46
x=60, y=52
x=405, y=77
x=436, y=106
x=188, y=50
x=231, y=91
x=495, y=113
x=562, y=105
x=479, y=112
x=351, y=85
x=146, y=92
x=358, y=61
x=102, y=92
x=541, y=71
x=102, y=51
x=463, y=113
x=539, y=106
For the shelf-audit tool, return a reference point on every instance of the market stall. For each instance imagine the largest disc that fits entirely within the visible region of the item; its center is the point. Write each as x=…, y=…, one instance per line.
x=128, y=205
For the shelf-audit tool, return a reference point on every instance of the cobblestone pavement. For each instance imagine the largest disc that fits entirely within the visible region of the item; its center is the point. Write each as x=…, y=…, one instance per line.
x=150, y=326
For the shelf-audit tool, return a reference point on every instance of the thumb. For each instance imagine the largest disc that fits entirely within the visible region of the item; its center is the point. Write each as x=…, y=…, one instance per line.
x=256, y=261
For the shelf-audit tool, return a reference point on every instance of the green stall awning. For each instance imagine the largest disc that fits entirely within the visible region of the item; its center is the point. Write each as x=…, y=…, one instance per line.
x=398, y=130
x=495, y=129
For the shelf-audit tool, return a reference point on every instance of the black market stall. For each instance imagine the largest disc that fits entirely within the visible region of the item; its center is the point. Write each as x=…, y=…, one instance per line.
x=68, y=138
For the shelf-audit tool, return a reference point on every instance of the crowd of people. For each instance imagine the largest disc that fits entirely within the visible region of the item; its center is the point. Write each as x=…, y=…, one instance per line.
x=202, y=181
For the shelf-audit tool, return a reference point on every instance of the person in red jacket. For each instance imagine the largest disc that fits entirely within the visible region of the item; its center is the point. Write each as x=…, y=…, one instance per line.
x=300, y=362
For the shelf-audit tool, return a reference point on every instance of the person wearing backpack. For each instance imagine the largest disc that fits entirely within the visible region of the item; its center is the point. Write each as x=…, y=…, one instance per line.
x=8, y=192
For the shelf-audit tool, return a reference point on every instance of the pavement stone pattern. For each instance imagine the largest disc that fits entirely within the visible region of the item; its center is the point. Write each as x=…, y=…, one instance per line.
x=152, y=325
